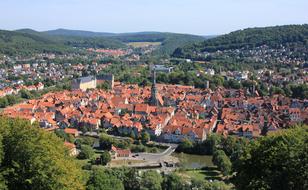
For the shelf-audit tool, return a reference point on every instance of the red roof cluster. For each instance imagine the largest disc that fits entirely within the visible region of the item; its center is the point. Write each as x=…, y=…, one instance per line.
x=187, y=112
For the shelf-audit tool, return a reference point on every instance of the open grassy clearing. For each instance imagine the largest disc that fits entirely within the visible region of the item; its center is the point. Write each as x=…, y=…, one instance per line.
x=210, y=173
x=116, y=163
x=143, y=44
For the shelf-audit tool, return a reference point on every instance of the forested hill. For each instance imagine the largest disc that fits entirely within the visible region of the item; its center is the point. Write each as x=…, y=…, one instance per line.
x=172, y=41
x=27, y=42
x=78, y=38
x=291, y=37
x=169, y=41
x=14, y=43
x=123, y=37
x=170, y=44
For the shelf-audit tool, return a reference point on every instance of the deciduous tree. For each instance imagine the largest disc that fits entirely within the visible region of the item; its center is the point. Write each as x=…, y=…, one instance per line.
x=35, y=159
x=151, y=180
x=277, y=161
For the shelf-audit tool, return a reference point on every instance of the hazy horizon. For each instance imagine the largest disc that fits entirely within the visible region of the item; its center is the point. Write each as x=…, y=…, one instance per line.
x=200, y=17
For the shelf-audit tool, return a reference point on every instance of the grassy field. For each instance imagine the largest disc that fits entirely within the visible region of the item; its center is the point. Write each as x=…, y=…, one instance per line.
x=143, y=44
x=210, y=173
x=116, y=163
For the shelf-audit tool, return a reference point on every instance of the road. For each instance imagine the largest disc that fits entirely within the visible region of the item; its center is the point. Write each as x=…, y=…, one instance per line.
x=157, y=157
x=151, y=157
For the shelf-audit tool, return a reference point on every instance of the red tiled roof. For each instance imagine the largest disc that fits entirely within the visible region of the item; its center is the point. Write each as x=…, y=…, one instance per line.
x=69, y=145
x=70, y=131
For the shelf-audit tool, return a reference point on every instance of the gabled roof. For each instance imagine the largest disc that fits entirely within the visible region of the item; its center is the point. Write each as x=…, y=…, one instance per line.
x=142, y=108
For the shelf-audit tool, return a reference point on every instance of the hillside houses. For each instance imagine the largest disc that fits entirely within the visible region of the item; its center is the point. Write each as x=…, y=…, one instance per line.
x=15, y=90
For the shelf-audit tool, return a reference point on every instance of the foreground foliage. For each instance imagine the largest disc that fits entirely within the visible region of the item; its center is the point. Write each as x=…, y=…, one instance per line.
x=35, y=159
x=31, y=158
x=278, y=161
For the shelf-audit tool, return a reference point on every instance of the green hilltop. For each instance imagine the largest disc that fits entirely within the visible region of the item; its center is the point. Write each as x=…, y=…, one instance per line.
x=18, y=43
x=294, y=37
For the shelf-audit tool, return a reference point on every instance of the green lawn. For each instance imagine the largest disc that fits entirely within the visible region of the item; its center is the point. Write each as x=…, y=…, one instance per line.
x=117, y=163
x=201, y=174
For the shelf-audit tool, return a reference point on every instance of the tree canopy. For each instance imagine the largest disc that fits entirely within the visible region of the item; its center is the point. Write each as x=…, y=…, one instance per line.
x=151, y=180
x=35, y=159
x=277, y=161
x=86, y=152
x=173, y=182
x=105, y=157
x=100, y=180
x=222, y=161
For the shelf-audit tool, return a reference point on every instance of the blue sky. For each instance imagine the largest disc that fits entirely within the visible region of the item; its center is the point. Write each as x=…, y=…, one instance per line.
x=204, y=17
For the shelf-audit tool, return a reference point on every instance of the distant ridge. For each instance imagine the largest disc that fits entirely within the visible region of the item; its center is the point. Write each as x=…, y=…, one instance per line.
x=169, y=41
x=85, y=33
x=80, y=33
x=63, y=40
x=27, y=30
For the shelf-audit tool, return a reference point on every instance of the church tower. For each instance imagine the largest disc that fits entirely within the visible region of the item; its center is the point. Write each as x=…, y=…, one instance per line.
x=153, y=100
